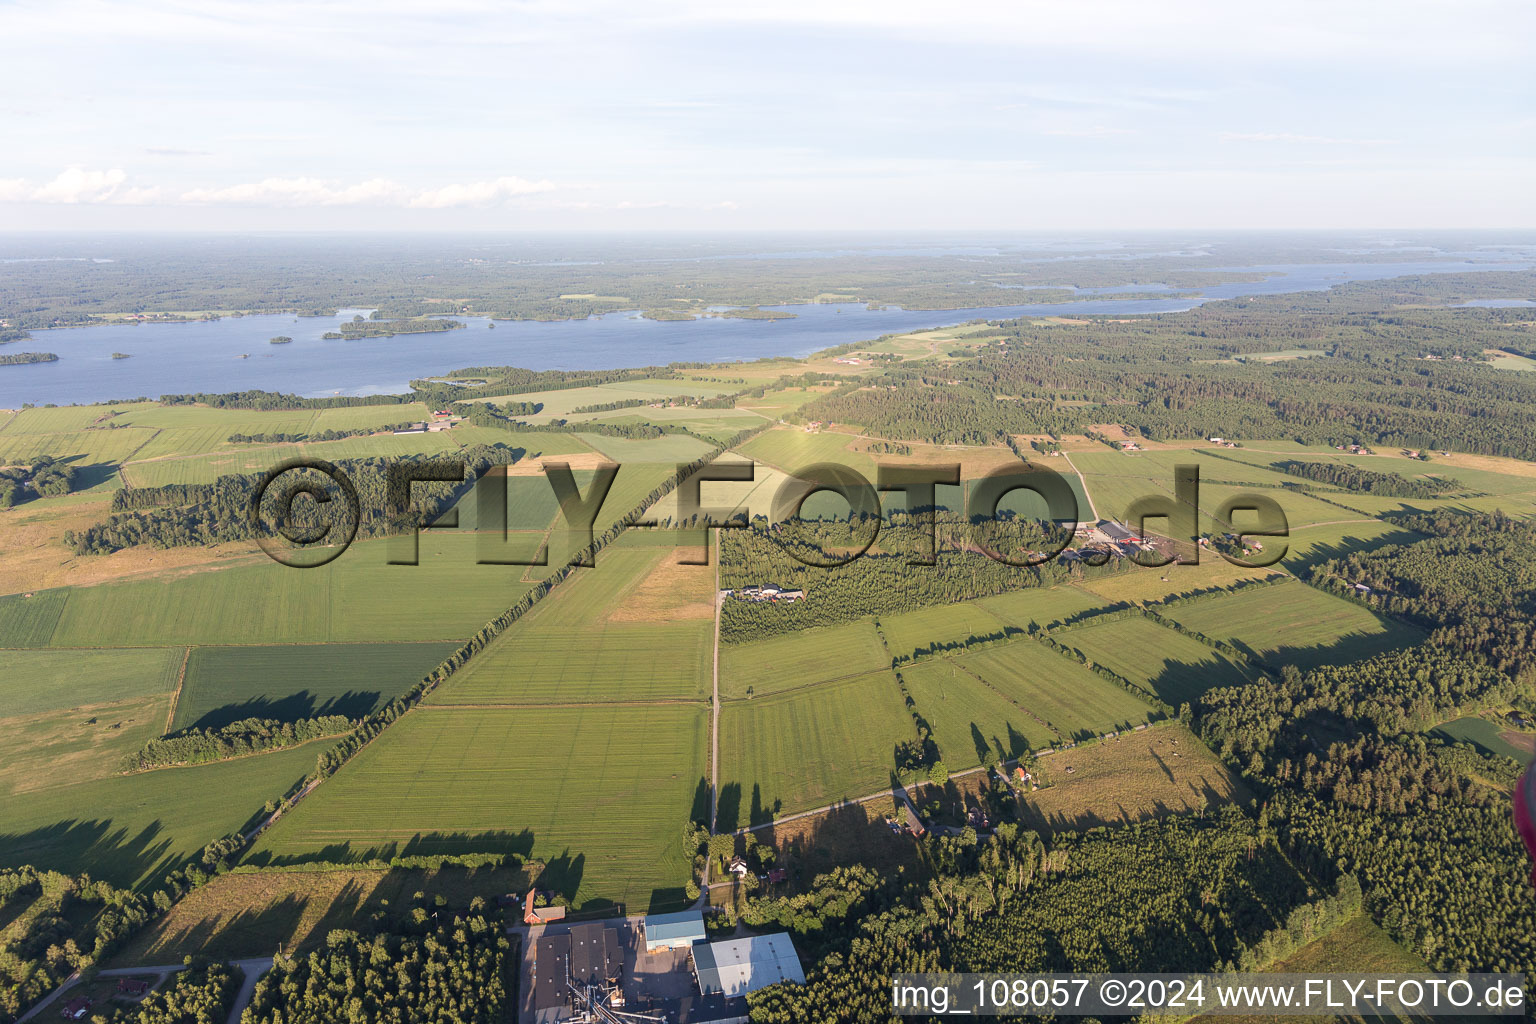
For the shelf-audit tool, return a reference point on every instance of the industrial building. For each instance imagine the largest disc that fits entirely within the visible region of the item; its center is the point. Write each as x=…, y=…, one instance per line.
x=673, y=931
x=734, y=967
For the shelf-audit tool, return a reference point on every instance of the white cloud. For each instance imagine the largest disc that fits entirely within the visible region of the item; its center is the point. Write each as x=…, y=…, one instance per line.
x=1321, y=140
x=478, y=193
x=14, y=190
x=78, y=185
x=301, y=192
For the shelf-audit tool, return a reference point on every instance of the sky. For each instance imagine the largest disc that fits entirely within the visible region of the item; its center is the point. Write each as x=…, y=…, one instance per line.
x=583, y=115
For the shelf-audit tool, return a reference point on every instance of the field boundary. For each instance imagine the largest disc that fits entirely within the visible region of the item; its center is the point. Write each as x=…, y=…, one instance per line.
x=181, y=678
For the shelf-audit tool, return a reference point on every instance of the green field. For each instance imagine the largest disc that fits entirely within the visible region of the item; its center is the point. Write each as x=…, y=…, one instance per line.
x=357, y=597
x=792, y=449
x=972, y=723
x=79, y=745
x=28, y=620
x=35, y=681
x=948, y=623
x=1160, y=659
x=132, y=829
x=288, y=682
x=1489, y=737
x=671, y=449
x=1294, y=624
x=1069, y=698
x=634, y=627
x=806, y=749
x=801, y=658
x=600, y=795
x=559, y=404
x=1024, y=608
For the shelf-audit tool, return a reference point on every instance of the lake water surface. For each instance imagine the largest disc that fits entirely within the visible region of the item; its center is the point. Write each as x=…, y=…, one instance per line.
x=234, y=354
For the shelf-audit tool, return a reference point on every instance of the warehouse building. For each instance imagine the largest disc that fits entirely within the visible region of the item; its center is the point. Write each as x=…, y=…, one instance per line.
x=734, y=967
x=673, y=931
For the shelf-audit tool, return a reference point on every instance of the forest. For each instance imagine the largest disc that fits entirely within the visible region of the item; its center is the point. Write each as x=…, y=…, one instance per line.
x=45, y=476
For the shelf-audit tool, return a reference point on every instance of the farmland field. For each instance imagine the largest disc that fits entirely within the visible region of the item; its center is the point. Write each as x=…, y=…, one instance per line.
x=792, y=449
x=1294, y=624
x=800, y=658
x=560, y=404
x=28, y=620
x=1137, y=775
x=293, y=681
x=1166, y=662
x=636, y=626
x=816, y=746
x=600, y=795
x=1068, y=697
x=79, y=744
x=671, y=449
x=355, y=598
x=1042, y=607
x=1489, y=737
x=35, y=680
x=972, y=723
x=132, y=829
x=912, y=631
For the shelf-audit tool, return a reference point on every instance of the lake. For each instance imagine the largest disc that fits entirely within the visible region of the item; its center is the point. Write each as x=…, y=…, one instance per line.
x=234, y=354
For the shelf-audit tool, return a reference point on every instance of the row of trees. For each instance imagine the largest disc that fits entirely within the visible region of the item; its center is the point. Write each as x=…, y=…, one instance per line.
x=248, y=736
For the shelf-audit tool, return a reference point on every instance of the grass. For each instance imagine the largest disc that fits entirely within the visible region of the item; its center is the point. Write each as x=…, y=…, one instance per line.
x=28, y=620
x=1134, y=777
x=1489, y=737
x=793, y=449
x=79, y=744
x=358, y=597
x=1294, y=624
x=1315, y=544
x=1066, y=696
x=132, y=829
x=599, y=795
x=1163, y=660
x=913, y=631
x=972, y=723
x=1023, y=608
x=800, y=658
x=245, y=912
x=672, y=449
x=36, y=681
x=559, y=404
x=806, y=749
x=1137, y=583
x=292, y=681
x=637, y=626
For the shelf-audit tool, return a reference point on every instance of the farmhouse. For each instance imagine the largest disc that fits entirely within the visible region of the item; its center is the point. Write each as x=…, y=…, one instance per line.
x=132, y=986
x=673, y=931
x=76, y=1009
x=413, y=428
x=734, y=967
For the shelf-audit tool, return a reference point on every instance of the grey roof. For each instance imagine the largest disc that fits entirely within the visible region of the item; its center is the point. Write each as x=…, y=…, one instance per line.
x=681, y=927
x=735, y=967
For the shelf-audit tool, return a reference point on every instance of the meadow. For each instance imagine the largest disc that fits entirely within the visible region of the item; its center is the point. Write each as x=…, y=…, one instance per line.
x=1162, y=660
x=636, y=626
x=78, y=744
x=33, y=681
x=972, y=723
x=942, y=624
x=1489, y=737
x=133, y=829
x=357, y=597
x=1044, y=607
x=28, y=620
x=560, y=404
x=795, y=751
x=1068, y=697
x=1136, y=776
x=801, y=658
x=599, y=795
x=288, y=682
x=1294, y=624
x=792, y=449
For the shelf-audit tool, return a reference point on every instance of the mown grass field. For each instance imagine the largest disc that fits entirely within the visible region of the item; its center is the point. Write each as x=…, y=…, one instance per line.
x=636, y=626
x=1163, y=660
x=948, y=623
x=358, y=597
x=972, y=723
x=1489, y=737
x=1065, y=695
x=801, y=658
x=293, y=681
x=245, y=910
x=600, y=795
x=28, y=620
x=670, y=449
x=132, y=829
x=78, y=744
x=1041, y=607
x=560, y=404
x=792, y=449
x=37, y=680
x=795, y=751
x=1134, y=777
x=1294, y=624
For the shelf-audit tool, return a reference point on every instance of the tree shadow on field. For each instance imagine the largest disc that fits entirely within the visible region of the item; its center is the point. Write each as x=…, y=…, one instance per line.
x=292, y=708
x=728, y=808
x=759, y=813
x=422, y=844
x=96, y=849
